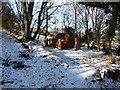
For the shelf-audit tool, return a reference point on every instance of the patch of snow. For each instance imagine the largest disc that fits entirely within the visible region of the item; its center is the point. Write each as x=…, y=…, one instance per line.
x=50, y=67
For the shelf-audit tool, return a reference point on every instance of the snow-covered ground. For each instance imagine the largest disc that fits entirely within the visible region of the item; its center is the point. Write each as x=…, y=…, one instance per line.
x=49, y=67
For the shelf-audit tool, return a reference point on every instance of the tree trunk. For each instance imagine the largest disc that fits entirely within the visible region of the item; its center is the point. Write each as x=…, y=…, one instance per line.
x=98, y=38
x=98, y=45
x=87, y=30
x=75, y=19
x=39, y=20
x=46, y=23
x=88, y=45
x=88, y=38
x=27, y=16
x=109, y=51
x=94, y=39
x=112, y=27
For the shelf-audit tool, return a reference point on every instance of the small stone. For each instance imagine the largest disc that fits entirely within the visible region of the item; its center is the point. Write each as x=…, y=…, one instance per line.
x=57, y=65
x=64, y=65
x=44, y=56
x=47, y=61
x=93, y=80
x=72, y=83
x=32, y=84
x=22, y=85
x=62, y=83
x=77, y=58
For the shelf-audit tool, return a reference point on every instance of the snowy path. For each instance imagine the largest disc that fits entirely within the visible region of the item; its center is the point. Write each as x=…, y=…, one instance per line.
x=52, y=68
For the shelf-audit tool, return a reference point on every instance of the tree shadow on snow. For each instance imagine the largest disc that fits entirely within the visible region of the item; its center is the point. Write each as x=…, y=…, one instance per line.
x=79, y=74
x=62, y=71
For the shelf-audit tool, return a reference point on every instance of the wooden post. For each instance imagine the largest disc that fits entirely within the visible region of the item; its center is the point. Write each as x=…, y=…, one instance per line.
x=46, y=42
x=59, y=44
x=77, y=43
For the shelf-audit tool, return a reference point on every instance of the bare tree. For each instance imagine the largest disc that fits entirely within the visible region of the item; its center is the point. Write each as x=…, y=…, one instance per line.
x=98, y=24
x=25, y=12
x=84, y=15
x=27, y=16
x=39, y=19
x=67, y=17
